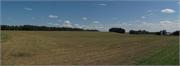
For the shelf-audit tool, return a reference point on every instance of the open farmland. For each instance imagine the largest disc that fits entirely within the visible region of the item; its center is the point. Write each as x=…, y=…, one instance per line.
x=87, y=48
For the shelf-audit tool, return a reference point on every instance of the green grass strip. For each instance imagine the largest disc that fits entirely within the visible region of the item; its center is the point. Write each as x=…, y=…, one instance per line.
x=165, y=56
x=3, y=37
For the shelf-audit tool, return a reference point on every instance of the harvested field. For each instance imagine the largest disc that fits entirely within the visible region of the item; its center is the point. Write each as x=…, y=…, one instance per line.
x=87, y=48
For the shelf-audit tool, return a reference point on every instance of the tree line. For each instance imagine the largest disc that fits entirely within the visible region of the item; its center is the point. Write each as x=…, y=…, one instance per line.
x=46, y=28
x=163, y=32
x=40, y=28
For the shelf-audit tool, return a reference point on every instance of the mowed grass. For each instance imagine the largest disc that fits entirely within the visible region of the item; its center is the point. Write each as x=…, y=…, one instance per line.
x=88, y=48
x=165, y=56
x=3, y=36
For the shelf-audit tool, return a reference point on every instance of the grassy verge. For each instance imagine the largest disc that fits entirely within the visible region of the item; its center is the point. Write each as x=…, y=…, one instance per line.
x=3, y=37
x=166, y=56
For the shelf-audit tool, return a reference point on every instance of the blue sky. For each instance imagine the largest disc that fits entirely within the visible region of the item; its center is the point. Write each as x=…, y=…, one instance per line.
x=101, y=15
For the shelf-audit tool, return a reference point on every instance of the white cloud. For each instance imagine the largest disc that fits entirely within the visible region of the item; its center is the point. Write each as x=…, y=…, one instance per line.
x=102, y=4
x=168, y=11
x=96, y=22
x=77, y=26
x=101, y=27
x=179, y=2
x=53, y=16
x=143, y=17
x=149, y=26
x=84, y=18
x=67, y=23
x=28, y=9
x=150, y=14
x=170, y=25
x=157, y=26
x=165, y=22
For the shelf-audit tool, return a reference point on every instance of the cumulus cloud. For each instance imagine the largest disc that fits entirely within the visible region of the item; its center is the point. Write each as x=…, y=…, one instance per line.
x=28, y=9
x=67, y=23
x=84, y=18
x=170, y=25
x=77, y=26
x=168, y=11
x=96, y=22
x=53, y=16
x=165, y=22
x=157, y=26
x=149, y=26
x=102, y=4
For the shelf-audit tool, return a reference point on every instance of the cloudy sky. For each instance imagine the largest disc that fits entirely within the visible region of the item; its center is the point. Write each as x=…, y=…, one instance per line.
x=101, y=15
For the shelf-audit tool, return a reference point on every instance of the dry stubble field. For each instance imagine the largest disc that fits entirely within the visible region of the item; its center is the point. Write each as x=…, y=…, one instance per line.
x=87, y=48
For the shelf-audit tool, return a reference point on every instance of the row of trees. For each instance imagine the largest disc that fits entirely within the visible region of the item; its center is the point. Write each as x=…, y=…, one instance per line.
x=163, y=32
x=40, y=28
x=45, y=28
x=139, y=32
x=176, y=33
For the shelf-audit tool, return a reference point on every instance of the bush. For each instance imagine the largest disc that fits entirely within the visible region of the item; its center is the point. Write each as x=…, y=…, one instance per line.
x=118, y=30
x=139, y=32
x=163, y=32
x=175, y=33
